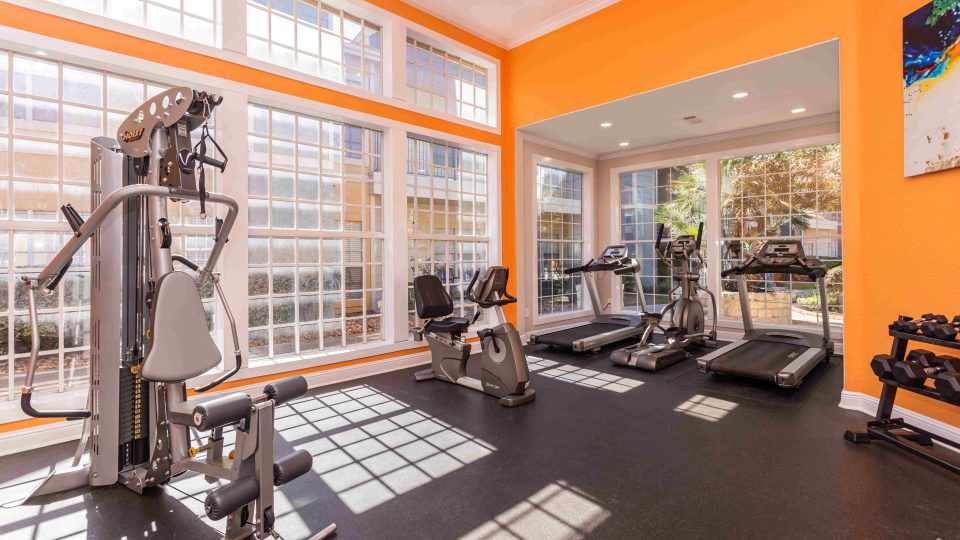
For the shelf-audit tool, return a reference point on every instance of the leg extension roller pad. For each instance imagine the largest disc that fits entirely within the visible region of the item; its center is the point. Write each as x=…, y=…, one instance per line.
x=284, y=390
x=291, y=466
x=222, y=411
x=224, y=501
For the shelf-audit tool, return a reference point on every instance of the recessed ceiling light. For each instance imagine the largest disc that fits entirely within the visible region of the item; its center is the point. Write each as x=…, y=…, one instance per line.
x=740, y=95
x=798, y=110
x=606, y=124
x=547, y=159
x=624, y=143
x=42, y=53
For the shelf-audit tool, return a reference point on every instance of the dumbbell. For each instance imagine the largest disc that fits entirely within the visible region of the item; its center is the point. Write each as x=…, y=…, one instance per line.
x=911, y=326
x=948, y=384
x=945, y=331
x=882, y=366
x=913, y=372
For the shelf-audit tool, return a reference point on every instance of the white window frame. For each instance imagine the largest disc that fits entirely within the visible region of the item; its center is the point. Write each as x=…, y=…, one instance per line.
x=712, y=240
x=234, y=49
x=589, y=246
x=232, y=132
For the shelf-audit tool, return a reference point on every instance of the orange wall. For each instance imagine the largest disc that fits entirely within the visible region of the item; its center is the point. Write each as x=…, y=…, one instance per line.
x=639, y=45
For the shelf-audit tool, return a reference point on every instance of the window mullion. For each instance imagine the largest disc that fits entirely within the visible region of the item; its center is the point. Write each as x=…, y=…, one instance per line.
x=396, y=239
x=233, y=133
x=233, y=26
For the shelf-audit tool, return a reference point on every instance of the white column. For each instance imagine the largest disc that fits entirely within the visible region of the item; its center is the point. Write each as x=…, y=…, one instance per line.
x=233, y=23
x=395, y=243
x=712, y=245
x=395, y=60
x=233, y=263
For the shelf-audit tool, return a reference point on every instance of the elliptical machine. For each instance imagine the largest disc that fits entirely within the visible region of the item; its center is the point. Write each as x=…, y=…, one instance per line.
x=503, y=366
x=685, y=259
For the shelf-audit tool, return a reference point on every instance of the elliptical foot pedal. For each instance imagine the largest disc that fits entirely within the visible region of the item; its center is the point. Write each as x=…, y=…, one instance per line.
x=858, y=437
x=424, y=375
x=514, y=400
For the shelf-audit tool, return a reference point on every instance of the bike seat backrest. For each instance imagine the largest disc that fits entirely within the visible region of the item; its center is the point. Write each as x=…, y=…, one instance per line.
x=431, y=297
x=493, y=281
x=181, y=347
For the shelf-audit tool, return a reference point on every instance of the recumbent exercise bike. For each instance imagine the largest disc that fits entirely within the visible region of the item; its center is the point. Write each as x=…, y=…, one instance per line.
x=503, y=366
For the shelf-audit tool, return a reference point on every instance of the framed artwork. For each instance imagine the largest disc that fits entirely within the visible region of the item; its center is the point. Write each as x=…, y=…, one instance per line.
x=931, y=88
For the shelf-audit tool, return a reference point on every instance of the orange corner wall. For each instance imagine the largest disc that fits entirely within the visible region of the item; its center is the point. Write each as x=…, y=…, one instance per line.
x=890, y=266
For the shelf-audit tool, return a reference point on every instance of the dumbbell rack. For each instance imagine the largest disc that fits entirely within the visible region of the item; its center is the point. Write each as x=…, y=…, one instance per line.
x=897, y=431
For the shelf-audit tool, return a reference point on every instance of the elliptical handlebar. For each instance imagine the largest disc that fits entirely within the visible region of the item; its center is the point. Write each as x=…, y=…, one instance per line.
x=699, y=236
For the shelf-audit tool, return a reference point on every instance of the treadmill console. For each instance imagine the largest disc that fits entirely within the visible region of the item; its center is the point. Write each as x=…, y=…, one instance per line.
x=780, y=252
x=614, y=253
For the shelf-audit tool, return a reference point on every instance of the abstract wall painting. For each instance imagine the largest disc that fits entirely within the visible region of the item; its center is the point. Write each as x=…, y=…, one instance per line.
x=931, y=88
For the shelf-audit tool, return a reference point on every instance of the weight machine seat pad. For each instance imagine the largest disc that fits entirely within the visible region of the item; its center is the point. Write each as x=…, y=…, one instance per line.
x=181, y=346
x=450, y=325
x=431, y=297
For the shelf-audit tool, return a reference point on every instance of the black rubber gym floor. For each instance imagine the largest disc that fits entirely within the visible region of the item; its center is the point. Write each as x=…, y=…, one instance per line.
x=604, y=452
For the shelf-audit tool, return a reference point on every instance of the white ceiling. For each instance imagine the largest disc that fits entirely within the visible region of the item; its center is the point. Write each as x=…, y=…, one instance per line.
x=509, y=23
x=806, y=78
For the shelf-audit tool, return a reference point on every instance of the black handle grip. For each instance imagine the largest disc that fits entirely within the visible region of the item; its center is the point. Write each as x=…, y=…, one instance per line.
x=469, y=294
x=577, y=269
x=213, y=162
x=659, y=235
x=699, y=235
x=30, y=411
x=186, y=262
x=223, y=377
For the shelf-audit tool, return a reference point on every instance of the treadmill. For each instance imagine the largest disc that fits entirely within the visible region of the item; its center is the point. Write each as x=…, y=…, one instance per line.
x=783, y=357
x=604, y=329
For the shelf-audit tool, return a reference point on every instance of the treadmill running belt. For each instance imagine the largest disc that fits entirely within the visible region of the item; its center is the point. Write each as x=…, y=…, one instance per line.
x=566, y=337
x=758, y=359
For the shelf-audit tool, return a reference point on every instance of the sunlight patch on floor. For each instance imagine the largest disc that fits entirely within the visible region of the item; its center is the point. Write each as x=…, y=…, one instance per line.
x=706, y=408
x=581, y=376
x=558, y=511
x=369, y=465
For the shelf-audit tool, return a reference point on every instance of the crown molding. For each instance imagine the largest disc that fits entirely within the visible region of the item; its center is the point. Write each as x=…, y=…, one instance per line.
x=831, y=118
x=558, y=21
x=545, y=26
x=527, y=138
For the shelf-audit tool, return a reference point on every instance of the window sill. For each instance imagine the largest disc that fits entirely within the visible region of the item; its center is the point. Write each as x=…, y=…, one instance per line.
x=557, y=318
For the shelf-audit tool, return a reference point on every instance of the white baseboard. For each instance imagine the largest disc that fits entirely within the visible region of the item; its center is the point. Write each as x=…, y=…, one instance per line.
x=857, y=401
x=23, y=440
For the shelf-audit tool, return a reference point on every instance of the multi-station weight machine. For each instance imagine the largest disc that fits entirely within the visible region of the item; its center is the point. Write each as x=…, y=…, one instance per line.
x=149, y=331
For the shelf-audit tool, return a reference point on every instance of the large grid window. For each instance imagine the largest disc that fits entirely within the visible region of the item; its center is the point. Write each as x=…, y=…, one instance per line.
x=316, y=218
x=788, y=194
x=196, y=20
x=447, y=212
x=49, y=111
x=446, y=83
x=674, y=196
x=559, y=239
x=316, y=39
